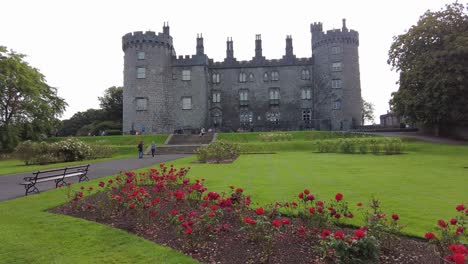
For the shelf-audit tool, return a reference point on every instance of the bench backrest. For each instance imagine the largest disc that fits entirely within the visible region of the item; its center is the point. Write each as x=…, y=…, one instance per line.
x=43, y=174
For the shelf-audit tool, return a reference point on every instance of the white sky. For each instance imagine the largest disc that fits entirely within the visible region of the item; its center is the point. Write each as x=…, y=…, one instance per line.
x=77, y=44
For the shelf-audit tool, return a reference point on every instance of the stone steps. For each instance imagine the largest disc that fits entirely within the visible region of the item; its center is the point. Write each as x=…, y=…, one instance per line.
x=176, y=139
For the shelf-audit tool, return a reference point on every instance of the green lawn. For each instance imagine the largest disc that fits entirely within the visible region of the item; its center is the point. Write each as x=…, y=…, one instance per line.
x=423, y=185
x=125, y=146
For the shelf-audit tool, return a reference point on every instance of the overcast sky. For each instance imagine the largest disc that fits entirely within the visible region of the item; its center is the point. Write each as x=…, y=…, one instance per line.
x=77, y=44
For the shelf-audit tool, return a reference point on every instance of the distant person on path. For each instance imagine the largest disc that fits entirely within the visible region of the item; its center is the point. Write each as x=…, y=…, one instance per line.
x=202, y=132
x=140, y=150
x=153, y=148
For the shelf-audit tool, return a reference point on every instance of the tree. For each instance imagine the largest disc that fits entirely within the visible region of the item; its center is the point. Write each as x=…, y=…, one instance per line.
x=432, y=58
x=367, y=112
x=112, y=103
x=70, y=127
x=26, y=100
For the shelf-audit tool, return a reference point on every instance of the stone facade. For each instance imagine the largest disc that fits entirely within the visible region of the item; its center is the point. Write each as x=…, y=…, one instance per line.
x=164, y=92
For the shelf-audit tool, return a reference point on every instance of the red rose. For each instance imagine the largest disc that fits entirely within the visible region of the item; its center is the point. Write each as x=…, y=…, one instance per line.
x=319, y=203
x=239, y=190
x=102, y=184
x=301, y=196
x=214, y=207
x=337, y=216
x=259, y=211
x=395, y=217
x=359, y=234
x=153, y=212
x=338, y=235
x=459, y=258
x=325, y=233
x=312, y=210
x=339, y=196
x=350, y=215
x=310, y=197
x=429, y=236
x=174, y=212
x=460, y=207
x=306, y=191
x=181, y=218
x=132, y=206
x=285, y=222
x=294, y=204
x=249, y=220
x=359, y=204
x=276, y=223
x=188, y=231
x=301, y=230
x=459, y=230
x=211, y=214
x=442, y=223
x=453, y=221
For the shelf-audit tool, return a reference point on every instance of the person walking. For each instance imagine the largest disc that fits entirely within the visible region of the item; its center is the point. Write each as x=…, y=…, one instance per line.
x=153, y=148
x=202, y=132
x=140, y=150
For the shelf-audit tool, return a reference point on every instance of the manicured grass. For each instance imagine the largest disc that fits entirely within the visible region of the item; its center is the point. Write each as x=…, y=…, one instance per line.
x=423, y=185
x=132, y=140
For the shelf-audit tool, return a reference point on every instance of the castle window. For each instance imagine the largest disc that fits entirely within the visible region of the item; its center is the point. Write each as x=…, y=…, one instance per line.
x=336, y=83
x=141, y=104
x=186, y=103
x=273, y=117
x=242, y=77
x=266, y=77
x=246, y=118
x=306, y=115
x=274, y=76
x=216, y=97
x=141, y=73
x=274, y=96
x=305, y=74
x=336, y=50
x=336, y=66
x=141, y=55
x=244, y=97
x=337, y=105
x=215, y=78
x=251, y=77
x=306, y=94
x=186, y=75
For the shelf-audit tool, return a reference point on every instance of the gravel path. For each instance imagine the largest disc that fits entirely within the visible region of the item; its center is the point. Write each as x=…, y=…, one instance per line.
x=10, y=188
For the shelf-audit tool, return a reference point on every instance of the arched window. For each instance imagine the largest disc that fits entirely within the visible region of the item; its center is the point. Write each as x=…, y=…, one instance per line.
x=251, y=77
x=266, y=77
x=337, y=104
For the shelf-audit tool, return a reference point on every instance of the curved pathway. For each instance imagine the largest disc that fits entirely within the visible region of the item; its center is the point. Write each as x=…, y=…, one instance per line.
x=10, y=188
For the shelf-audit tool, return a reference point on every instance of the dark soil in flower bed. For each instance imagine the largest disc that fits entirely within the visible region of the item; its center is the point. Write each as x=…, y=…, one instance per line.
x=230, y=243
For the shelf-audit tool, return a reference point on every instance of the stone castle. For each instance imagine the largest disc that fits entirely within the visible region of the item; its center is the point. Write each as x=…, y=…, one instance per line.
x=164, y=93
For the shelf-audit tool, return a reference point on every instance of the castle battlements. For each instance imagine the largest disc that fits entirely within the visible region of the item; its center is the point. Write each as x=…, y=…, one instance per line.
x=260, y=63
x=148, y=37
x=343, y=35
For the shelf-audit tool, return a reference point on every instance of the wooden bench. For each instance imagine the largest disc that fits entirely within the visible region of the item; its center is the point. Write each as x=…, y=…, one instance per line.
x=56, y=175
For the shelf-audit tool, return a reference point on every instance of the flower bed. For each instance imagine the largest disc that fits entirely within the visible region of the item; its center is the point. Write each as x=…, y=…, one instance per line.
x=166, y=207
x=218, y=152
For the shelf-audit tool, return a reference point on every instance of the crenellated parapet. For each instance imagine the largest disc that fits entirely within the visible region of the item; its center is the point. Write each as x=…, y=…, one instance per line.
x=187, y=60
x=146, y=38
x=260, y=63
x=343, y=35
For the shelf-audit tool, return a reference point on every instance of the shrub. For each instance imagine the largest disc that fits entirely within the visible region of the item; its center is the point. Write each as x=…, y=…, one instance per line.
x=374, y=146
x=218, y=151
x=347, y=145
x=392, y=146
x=113, y=132
x=269, y=137
x=70, y=149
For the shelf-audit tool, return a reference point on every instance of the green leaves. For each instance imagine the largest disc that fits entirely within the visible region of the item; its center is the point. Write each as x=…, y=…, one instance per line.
x=27, y=102
x=432, y=58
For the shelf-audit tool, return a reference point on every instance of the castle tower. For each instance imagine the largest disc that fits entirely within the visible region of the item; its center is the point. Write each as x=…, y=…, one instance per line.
x=147, y=82
x=336, y=69
x=200, y=47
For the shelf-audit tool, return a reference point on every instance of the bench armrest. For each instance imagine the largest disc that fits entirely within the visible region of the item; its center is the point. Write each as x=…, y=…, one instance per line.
x=29, y=178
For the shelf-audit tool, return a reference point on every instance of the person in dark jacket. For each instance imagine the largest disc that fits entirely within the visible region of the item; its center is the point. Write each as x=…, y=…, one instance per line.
x=140, y=150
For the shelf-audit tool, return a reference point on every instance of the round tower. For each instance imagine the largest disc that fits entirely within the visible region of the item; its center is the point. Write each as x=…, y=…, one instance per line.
x=147, y=82
x=337, y=85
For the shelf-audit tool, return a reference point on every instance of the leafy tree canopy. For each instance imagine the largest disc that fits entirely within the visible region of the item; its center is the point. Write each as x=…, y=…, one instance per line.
x=367, y=112
x=26, y=100
x=432, y=58
x=112, y=103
